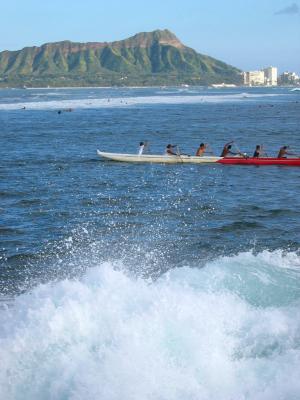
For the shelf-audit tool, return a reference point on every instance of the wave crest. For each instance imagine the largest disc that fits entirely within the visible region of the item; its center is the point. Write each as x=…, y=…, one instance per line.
x=193, y=333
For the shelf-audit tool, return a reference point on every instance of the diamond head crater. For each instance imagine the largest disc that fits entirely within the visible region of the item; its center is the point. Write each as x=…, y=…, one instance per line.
x=145, y=59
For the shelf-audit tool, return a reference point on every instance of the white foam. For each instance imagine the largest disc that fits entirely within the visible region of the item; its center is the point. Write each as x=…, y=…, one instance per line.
x=130, y=101
x=186, y=336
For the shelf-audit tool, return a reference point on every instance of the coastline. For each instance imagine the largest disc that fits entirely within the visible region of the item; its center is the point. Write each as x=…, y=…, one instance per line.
x=162, y=87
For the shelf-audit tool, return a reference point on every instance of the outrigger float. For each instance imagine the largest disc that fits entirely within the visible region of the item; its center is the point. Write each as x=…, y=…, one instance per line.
x=183, y=158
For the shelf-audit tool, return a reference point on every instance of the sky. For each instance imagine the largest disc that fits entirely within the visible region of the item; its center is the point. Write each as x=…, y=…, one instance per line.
x=249, y=34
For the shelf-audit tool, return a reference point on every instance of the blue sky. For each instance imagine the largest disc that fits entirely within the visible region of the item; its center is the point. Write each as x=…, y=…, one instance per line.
x=249, y=34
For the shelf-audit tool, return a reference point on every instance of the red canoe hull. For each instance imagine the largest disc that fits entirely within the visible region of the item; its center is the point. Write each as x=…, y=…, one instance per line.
x=261, y=161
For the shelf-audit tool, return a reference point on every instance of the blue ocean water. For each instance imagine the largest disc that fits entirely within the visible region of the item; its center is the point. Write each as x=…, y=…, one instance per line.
x=124, y=281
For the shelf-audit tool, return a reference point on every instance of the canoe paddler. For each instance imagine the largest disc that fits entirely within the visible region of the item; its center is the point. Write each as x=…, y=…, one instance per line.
x=258, y=151
x=283, y=152
x=227, y=152
x=141, y=148
x=201, y=150
x=169, y=150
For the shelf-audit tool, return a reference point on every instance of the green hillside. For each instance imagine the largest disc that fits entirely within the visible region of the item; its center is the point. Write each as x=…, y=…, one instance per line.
x=154, y=58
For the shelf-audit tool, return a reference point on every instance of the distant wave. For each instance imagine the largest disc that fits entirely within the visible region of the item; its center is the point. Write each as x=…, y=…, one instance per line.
x=229, y=330
x=132, y=101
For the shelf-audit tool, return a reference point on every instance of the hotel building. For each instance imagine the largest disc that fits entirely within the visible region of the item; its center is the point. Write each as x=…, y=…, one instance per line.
x=271, y=74
x=267, y=76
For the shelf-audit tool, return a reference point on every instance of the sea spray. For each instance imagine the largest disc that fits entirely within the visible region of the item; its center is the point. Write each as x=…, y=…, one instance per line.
x=205, y=333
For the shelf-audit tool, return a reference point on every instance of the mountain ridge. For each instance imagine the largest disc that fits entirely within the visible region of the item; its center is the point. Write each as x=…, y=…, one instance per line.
x=156, y=57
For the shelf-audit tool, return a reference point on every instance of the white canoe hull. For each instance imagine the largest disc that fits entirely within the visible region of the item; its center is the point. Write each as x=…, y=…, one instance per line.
x=152, y=158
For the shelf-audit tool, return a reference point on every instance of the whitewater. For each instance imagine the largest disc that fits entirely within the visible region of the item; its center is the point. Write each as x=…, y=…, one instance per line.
x=229, y=330
x=94, y=102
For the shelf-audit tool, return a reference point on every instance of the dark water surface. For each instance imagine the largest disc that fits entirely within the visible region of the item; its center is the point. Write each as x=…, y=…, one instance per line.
x=234, y=229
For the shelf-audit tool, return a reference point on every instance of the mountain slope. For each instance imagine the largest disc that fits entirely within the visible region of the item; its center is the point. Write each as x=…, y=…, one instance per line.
x=156, y=57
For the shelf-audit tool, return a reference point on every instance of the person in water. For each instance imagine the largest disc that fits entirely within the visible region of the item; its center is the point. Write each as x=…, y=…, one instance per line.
x=169, y=150
x=258, y=151
x=283, y=152
x=201, y=150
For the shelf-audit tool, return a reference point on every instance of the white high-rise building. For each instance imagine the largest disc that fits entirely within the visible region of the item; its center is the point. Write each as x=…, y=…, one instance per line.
x=289, y=78
x=254, y=78
x=271, y=74
x=267, y=76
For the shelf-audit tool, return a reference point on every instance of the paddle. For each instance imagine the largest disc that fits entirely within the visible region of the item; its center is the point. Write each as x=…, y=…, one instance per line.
x=263, y=150
x=178, y=153
x=211, y=150
x=181, y=154
x=146, y=146
x=293, y=154
x=238, y=150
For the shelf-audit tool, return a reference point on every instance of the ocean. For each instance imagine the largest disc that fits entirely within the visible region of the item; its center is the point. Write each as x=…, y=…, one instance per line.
x=155, y=282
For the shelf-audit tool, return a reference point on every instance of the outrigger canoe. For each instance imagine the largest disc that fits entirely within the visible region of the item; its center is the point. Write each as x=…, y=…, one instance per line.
x=179, y=159
x=152, y=158
x=293, y=162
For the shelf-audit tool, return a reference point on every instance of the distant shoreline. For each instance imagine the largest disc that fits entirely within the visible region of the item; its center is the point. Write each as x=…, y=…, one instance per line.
x=148, y=87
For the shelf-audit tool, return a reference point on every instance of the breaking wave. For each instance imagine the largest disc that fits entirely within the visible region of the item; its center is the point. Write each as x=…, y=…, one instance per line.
x=229, y=330
x=91, y=103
